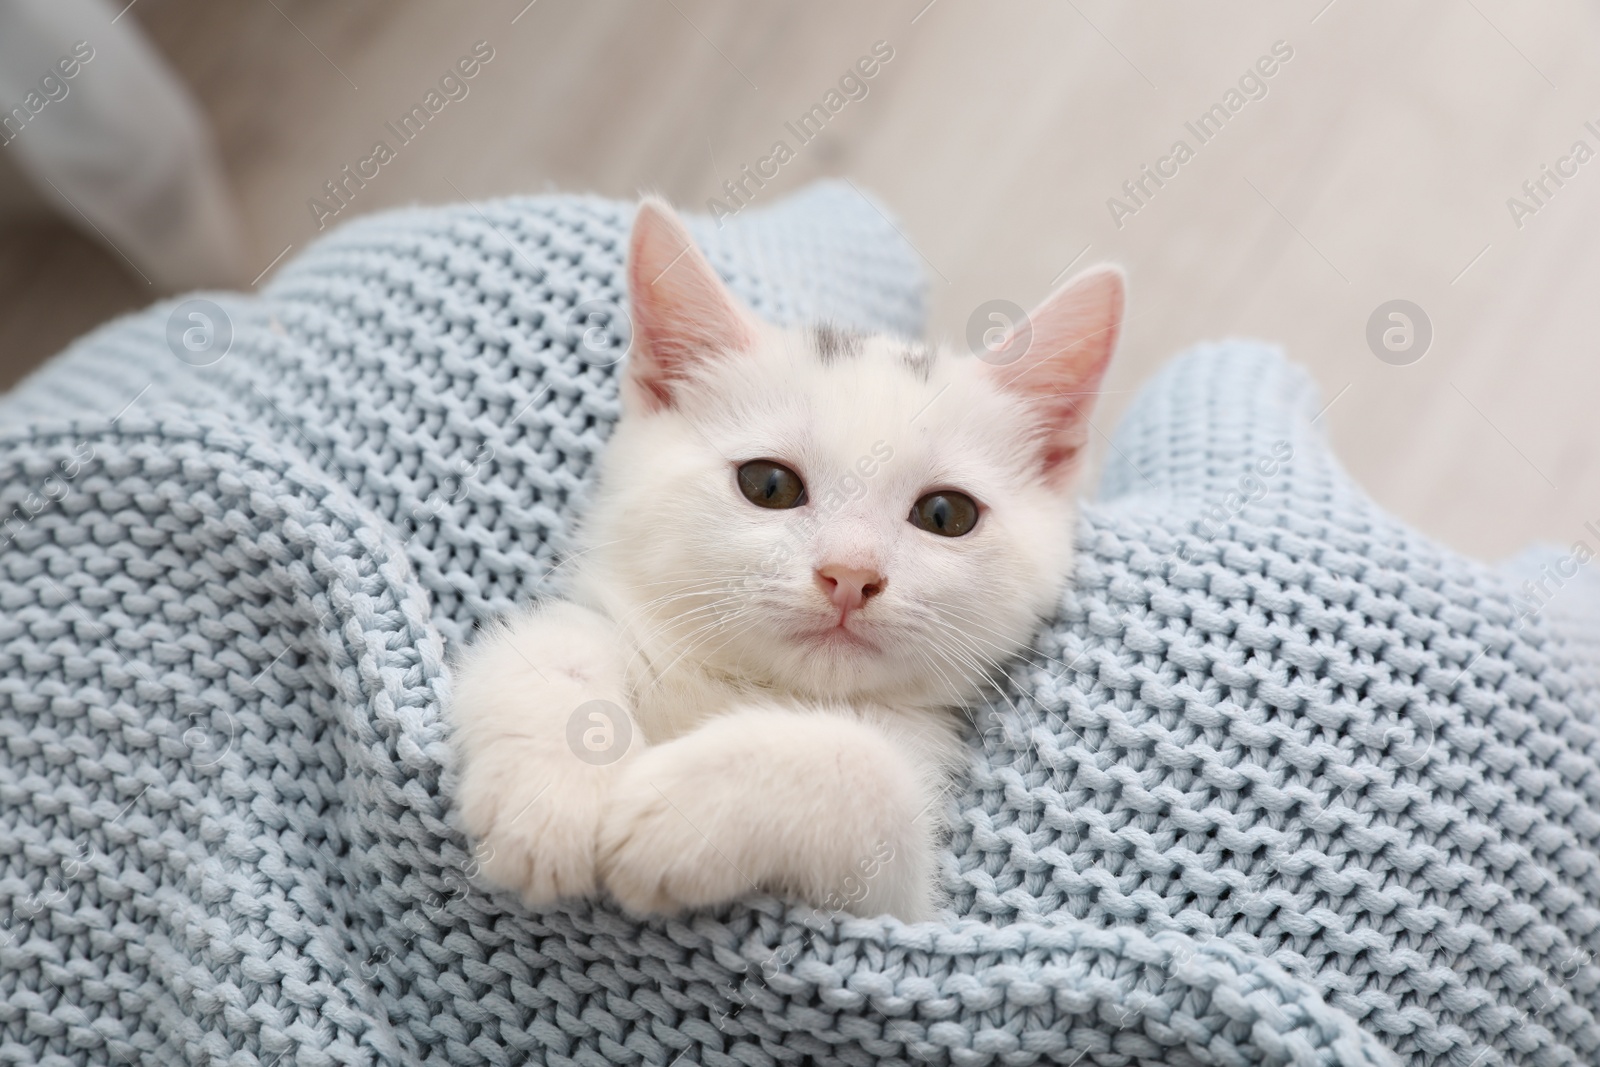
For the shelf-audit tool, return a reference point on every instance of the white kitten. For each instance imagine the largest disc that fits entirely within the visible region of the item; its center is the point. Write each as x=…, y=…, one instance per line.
x=806, y=551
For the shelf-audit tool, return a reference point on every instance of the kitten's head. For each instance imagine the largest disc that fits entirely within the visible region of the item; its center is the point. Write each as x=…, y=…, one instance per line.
x=839, y=515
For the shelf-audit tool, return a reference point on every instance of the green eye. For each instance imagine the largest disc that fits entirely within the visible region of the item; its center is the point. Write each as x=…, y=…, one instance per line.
x=946, y=513
x=771, y=485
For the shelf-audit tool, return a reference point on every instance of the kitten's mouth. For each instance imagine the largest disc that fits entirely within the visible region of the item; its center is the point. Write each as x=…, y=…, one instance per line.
x=841, y=635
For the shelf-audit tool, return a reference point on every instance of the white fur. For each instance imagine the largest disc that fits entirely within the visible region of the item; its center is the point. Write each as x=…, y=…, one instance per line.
x=764, y=759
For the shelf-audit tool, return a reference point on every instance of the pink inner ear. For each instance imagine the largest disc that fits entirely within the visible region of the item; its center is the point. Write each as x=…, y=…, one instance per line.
x=682, y=313
x=1074, y=333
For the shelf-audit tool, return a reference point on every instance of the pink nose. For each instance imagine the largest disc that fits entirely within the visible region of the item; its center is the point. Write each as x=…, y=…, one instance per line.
x=849, y=587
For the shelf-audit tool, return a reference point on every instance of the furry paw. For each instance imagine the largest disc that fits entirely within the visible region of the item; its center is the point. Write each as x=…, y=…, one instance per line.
x=810, y=806
x=535, y=824
x=539, y=747
x=657, y=855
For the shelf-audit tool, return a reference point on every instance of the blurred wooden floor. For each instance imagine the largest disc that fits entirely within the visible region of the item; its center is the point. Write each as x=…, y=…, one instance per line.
x=1376, y=167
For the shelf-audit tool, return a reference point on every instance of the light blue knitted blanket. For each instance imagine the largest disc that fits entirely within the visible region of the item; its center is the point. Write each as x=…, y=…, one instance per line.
x=1285, y=783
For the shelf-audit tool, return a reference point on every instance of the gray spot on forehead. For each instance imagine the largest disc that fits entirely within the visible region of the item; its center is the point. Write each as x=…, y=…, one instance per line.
x=833, y=343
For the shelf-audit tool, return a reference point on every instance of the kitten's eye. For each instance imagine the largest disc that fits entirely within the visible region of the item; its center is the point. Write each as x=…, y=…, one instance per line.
x=771, y=485
x=946, y=513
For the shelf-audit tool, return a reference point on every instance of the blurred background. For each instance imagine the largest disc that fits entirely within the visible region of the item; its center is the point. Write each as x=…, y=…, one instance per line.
x=1425, y=152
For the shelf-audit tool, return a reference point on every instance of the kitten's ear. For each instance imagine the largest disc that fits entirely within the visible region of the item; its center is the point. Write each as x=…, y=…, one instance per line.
x=682, y=313
x=1072, y=337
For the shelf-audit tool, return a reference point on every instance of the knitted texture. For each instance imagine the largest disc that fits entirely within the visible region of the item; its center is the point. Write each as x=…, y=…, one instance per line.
x=1282, y=784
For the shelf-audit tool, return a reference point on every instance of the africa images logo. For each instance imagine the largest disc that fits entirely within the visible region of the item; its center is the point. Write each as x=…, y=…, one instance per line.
x=1252, y=85
x=852, y=85
x=408, y=127
x=52, y=88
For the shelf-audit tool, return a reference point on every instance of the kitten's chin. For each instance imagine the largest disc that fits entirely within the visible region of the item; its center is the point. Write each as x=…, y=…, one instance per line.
x=852, y=662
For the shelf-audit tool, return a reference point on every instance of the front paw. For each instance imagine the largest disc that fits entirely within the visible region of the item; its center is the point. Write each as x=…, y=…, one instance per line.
x=813, y=807
x=536, y=825
x=668, y=842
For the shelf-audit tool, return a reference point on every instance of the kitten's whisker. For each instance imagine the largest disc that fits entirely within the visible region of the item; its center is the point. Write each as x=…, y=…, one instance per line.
x=970, y=691
x=972, y=670
x=653, y=607
x=647, y=633
x=545, y=577
x=661, y=634
x=657, y=628
x=711, y=616
x=728, y=586
x=1050, y=715
x=704, y=630
x=672, y=596
x=996, y=662
x=647, y=618
x=687, y=585
x=679, y=579
x=955, y=695
x=1039, y=397
x=959, y=694
x=960, y=614
x=1024, y=650
x=727, y=640
x=988, y=669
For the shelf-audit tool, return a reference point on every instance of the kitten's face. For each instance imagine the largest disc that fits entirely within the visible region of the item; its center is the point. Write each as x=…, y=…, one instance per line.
x=838, y=515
